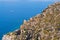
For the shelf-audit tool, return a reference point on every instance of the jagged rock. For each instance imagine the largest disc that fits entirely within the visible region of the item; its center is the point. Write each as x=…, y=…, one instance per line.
x=25, y=21
x=44, y=26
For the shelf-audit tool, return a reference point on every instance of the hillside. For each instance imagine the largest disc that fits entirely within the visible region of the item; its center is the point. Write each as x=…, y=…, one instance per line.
x=44, y=26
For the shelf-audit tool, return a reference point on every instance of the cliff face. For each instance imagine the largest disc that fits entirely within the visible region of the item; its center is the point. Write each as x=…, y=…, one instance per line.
x=44, y=26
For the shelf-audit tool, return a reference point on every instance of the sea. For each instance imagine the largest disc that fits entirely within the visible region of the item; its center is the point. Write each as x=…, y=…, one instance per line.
x=13, y=13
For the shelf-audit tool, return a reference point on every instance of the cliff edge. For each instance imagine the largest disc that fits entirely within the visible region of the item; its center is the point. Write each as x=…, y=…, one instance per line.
x=44, y=26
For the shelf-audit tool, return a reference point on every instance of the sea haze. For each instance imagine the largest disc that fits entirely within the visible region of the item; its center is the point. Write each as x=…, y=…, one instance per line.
x=12, y=14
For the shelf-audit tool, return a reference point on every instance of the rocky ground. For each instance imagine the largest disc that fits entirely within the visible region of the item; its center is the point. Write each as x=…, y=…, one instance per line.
x=44, y=26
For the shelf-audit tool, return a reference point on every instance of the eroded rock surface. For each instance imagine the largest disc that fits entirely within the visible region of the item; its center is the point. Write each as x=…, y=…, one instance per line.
x=44, y=26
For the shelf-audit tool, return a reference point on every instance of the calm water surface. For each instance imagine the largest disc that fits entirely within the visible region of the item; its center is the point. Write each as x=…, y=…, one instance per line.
x=12, y=14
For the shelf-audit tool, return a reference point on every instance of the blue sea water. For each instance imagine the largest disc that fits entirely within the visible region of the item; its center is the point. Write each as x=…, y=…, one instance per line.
x=12, y=14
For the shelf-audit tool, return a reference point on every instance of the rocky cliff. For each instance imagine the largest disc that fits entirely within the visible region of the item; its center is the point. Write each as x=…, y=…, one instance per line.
x=44, y=26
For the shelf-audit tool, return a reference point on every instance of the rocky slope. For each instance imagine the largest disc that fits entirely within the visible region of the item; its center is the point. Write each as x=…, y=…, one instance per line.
x=44, y=26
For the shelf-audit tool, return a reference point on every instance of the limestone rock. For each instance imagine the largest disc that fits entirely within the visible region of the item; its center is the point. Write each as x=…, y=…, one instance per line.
x=44, y=26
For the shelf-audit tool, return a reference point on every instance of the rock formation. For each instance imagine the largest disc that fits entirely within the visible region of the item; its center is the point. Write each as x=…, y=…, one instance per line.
x=44, y=26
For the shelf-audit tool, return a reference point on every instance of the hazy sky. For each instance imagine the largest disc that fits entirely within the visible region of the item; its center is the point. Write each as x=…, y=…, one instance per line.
x=29, y=0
